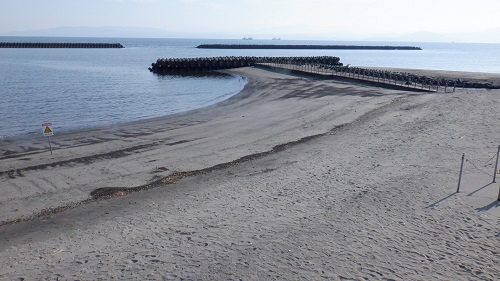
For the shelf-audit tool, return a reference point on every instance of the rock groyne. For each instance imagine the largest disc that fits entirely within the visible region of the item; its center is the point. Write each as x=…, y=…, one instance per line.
x=59, y=45
x=304, y=47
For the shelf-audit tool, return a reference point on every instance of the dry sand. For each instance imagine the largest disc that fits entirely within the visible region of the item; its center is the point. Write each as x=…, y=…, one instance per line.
x=370, y=196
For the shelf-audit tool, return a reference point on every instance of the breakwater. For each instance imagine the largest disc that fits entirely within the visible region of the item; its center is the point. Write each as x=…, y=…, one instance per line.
x=58, y=45
x=190, y=65
x=325, y=66
x=410, y=79
x=402, y=80
x=304, y=47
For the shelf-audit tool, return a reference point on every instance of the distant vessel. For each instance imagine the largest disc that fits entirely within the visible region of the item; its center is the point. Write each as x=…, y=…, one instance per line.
x=276, y=38
x=247, y=38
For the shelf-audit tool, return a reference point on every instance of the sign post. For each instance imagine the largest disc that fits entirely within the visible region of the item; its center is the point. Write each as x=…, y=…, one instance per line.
x=47, y=132
x=461, y=169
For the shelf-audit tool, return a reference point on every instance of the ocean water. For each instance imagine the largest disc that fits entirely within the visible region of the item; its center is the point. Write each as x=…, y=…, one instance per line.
x=81, y=88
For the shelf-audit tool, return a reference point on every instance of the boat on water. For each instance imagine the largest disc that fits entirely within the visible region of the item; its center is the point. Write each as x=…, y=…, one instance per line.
x=247, y=38
x=276, y=38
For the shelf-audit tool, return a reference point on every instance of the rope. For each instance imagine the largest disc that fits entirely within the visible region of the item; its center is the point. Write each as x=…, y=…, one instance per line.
x=490, y=159
x=474, y=165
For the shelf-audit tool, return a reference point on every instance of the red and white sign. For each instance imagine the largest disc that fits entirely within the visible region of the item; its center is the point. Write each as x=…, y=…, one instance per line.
x=47, y=130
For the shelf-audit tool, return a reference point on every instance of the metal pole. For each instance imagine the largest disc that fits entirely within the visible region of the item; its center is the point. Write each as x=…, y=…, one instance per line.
x=461, y=169
x=50, y=145
x=496, y=165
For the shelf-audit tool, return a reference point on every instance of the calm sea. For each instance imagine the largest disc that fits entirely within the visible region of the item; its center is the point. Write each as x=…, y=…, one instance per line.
x=80, y=88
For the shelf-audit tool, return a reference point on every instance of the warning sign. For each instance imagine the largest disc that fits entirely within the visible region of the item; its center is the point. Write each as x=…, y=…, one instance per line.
x=47, y=130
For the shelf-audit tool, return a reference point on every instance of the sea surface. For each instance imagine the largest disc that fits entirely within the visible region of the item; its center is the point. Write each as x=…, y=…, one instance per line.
x=76, y=89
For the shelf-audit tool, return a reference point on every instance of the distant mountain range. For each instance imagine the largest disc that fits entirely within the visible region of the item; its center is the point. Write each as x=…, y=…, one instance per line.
x=484, y=36
x=107, y=31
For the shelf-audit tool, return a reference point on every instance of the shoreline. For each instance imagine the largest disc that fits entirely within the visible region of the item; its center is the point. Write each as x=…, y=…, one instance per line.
x=369, y=193
x=27, y=159
x=25, y=146
x=109, y=126
x=469, y=76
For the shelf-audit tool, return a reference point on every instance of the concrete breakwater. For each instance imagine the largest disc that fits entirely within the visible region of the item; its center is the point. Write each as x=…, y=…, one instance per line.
x=304, y=47
x=58, y=45
x=326, y=66
x=404, y=78
x=188, y=65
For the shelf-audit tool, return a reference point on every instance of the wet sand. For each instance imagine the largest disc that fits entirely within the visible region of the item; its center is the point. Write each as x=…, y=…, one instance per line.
x=294, y=178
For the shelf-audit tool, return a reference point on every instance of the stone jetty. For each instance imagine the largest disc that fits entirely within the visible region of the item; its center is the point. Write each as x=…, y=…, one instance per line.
x=58, y=45
x=304, y=47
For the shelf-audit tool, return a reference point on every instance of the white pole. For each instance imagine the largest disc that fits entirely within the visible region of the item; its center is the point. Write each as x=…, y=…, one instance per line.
x=50, y=145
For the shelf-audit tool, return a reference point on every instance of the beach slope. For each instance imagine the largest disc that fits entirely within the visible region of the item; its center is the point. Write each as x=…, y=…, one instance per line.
x=297, y=179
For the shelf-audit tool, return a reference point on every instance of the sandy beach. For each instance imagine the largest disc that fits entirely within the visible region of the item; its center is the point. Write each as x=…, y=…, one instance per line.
x=294, y=178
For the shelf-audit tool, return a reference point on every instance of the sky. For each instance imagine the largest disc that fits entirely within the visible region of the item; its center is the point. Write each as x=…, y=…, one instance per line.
x=279, y=18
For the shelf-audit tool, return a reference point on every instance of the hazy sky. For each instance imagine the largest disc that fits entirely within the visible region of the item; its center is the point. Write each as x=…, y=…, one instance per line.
x=248, y=17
